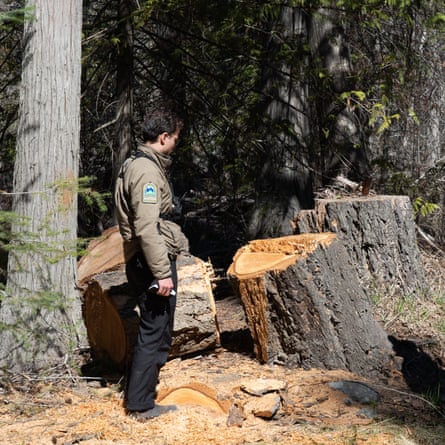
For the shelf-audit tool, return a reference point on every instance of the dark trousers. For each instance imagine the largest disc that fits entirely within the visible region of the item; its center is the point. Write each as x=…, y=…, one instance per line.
x=154, y=338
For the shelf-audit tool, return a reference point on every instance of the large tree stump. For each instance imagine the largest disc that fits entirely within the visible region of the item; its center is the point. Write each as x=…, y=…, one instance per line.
x=378, y=233
x=112, y=327
x=306, y=307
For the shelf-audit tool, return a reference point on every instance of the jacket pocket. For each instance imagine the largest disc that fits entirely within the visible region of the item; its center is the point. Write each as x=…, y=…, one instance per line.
x=175, y=239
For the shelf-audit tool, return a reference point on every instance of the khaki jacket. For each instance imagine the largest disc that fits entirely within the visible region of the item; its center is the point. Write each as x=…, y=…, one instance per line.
x=143, y=200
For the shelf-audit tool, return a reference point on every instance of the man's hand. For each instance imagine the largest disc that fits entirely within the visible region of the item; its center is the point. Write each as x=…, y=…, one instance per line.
x=165, y=287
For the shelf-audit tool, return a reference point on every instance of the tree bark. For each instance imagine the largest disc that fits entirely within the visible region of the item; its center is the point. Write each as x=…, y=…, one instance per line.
x=379, y=234
x=41, y=314
x=112, y=326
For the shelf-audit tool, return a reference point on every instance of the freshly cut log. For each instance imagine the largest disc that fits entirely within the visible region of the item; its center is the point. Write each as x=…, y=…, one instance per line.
x=112, y=327
x=104, y=253
x=196, y=326
x=109, y=335
x=194, y=394
x=305, y=305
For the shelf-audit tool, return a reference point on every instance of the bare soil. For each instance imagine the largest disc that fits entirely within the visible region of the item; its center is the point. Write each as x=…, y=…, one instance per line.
x=63, y=408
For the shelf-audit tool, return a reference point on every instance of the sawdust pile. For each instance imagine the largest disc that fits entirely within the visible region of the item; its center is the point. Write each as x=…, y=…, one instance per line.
x=204, y=388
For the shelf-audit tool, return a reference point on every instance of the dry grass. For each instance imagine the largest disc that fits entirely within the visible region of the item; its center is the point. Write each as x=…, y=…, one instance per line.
x=419, y=315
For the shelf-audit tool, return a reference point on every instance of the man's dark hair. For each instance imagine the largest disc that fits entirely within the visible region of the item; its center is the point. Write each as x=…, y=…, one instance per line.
x=158, y=122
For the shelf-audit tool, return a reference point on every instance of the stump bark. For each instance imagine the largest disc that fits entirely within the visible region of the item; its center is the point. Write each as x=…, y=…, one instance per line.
x=306, y=307
x=112, y=328
x=379, y=235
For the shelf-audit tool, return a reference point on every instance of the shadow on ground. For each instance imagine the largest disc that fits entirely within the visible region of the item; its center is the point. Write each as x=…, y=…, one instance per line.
x=421, y=373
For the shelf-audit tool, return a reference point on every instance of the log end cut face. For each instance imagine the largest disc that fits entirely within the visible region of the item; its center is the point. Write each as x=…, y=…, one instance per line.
x=104, y=254
x=263, y=255
x=194, y=394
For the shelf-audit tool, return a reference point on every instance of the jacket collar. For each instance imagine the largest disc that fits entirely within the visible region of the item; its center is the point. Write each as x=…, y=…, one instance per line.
x=164, y=161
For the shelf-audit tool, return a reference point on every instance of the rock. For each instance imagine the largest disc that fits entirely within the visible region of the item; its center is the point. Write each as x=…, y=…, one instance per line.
x=265, y=406
x=367, y=413
x=236, y=415
x=260, y=387
x=357, y=391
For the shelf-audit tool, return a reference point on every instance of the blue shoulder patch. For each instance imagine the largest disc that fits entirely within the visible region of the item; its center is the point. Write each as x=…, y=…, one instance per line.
x=150, y=193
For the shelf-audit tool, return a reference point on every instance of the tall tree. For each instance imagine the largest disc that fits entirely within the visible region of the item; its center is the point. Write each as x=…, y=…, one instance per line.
x=124, y=85
x=284, y=185
x=40, y=313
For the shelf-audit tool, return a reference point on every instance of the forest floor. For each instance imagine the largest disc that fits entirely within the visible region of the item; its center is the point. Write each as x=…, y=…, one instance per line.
x=209, y=392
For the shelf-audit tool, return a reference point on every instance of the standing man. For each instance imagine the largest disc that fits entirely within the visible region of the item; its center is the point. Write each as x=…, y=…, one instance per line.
x=144, y=207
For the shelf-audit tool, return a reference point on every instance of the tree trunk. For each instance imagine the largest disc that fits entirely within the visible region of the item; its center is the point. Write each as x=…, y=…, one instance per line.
x=124, y=86
x=307, y=296
x=338, y=139
x=112, y=326
x=284, y=185
x=41, y=314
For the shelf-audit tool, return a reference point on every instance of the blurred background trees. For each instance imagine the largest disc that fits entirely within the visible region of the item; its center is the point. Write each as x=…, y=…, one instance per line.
x=278, y=98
